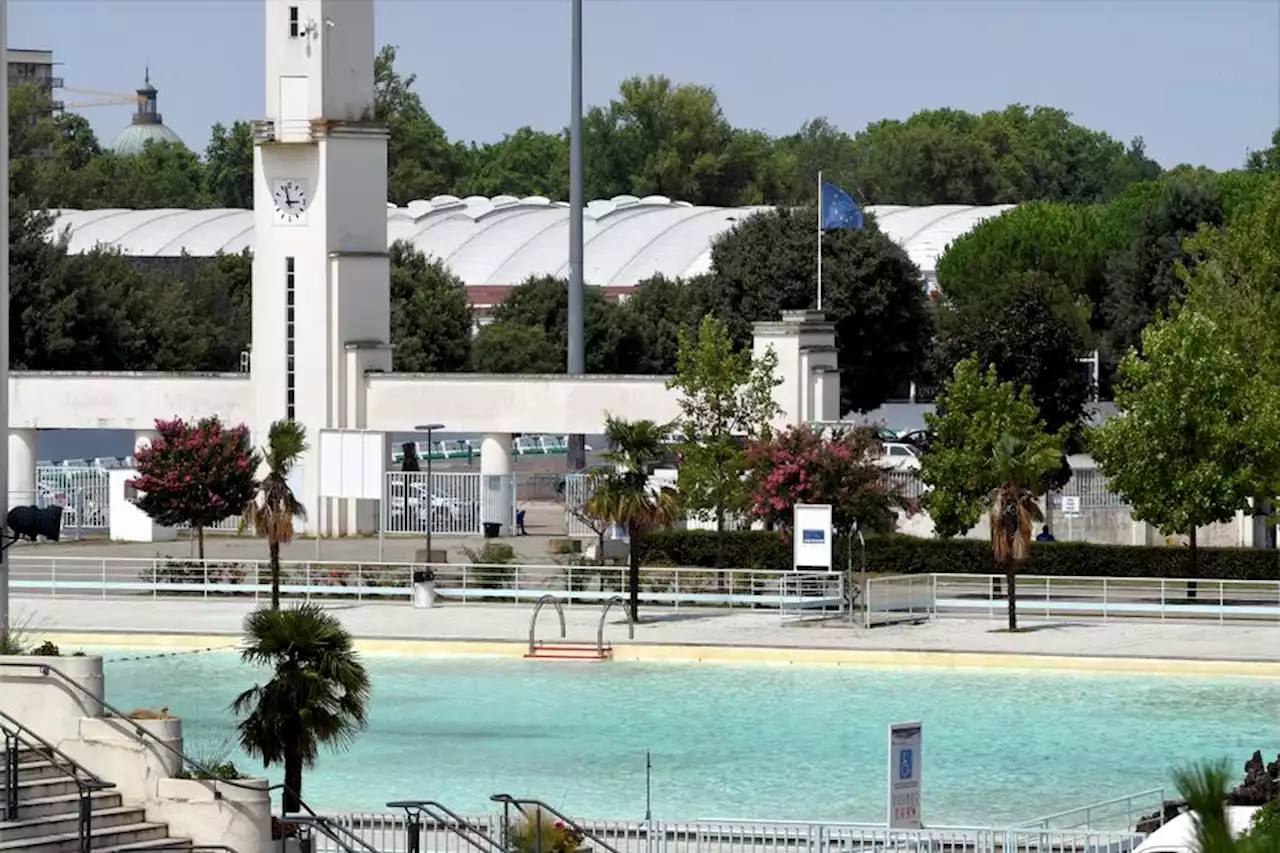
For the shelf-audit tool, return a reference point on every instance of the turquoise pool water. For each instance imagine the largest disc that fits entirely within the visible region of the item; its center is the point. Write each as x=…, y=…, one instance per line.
x=735, y=742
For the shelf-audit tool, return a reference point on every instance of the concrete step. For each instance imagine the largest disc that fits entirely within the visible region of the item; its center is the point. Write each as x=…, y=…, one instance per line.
x=176, y=845
x=61, y=804
x=36, y=769
x=61, y=824
x=36, y=789
x=125, y=835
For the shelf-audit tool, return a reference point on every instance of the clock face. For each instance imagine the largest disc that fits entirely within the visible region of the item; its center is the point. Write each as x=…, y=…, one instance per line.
x=290, y=197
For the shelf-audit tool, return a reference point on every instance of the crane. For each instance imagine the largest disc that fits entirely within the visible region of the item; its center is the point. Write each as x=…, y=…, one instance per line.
x=104, y=99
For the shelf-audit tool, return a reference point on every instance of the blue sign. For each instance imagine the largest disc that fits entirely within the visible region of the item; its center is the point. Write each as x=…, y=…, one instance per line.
x=812, y=537
x=904, y=764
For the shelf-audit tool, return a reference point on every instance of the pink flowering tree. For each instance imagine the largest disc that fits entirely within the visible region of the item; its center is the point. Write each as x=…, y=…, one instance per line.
x=196, y=474
x=803, y=466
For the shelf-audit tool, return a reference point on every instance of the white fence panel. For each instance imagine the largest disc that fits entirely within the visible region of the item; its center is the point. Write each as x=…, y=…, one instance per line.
x=454, y=500
x=577, y=491
x=83, y=493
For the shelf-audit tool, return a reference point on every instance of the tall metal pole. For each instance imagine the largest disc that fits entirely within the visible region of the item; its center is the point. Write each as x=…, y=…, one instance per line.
x=577, y=354
x=4, y=314
x=431, y=504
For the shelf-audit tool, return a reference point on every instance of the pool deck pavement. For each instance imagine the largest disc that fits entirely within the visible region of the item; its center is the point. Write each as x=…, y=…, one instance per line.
x=690, y=634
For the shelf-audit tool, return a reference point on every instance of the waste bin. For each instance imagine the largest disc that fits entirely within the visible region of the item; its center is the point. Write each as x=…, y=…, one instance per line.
x=492, y=529
x=424, y=589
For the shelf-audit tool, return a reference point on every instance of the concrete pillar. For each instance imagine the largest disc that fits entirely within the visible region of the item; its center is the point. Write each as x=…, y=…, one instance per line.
x=142, y=439
x=495, y=481
x=22, y=467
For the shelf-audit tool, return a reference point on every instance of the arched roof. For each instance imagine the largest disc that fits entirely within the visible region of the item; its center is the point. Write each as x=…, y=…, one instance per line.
x=504, y=240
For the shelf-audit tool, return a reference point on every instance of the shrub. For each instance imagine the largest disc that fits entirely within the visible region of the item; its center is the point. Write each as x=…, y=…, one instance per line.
x=896, y=554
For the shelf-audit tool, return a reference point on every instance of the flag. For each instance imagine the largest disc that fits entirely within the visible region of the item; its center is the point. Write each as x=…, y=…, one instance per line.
x=839, y=210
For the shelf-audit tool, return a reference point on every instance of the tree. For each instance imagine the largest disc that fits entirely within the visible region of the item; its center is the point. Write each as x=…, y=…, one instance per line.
x=871, y=291
x=228, y=172
x=624, y=496
x=509, y=347
x=1198, y=429
x=1022, y=470
x=1033, y=340
x=658, y=311
x=430, y=314
x=271, y=510
x=1266, y=160
x=801, y=465
x=525, y=163
x=726, y=399
x=975, y=412
x=318, y=694
x=195, y=474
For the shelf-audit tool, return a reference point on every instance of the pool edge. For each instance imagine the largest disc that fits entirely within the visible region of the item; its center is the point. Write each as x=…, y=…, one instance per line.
x=731, y=654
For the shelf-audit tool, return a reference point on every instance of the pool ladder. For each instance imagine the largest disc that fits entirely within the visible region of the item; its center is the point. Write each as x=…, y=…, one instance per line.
x=597, y=651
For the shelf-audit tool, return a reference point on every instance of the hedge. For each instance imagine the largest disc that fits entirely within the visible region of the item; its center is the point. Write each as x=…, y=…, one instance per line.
x=899, y=554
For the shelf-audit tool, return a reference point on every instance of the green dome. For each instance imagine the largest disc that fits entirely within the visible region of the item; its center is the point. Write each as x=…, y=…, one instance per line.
x=147, y=125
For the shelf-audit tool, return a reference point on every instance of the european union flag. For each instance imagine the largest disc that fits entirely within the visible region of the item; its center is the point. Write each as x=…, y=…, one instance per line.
x=839, y=210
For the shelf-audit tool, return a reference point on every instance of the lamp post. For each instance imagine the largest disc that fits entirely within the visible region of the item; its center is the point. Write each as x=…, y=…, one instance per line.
x=428, y=429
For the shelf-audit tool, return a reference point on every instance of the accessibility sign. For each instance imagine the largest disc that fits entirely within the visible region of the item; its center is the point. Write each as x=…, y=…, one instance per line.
x=904, y=775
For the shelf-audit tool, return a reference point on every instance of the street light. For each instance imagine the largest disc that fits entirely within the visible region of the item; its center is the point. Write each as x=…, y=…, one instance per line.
x=428, y=429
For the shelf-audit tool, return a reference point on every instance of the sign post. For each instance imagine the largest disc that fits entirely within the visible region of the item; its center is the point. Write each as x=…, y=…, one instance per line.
x=1071, y=511
x=904, y=775
x=811, y=536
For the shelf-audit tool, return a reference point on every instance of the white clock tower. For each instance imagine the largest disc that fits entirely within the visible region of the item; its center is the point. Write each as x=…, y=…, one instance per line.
x=321, y=298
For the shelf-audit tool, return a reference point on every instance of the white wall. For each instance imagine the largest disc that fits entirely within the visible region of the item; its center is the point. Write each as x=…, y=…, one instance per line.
x=493, y=404
x=74, y=400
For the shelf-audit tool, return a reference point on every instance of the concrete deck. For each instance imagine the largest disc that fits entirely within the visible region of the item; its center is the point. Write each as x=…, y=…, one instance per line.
x=710, y=635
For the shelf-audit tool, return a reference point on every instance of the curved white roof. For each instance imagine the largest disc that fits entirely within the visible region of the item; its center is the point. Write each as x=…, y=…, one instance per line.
x=504, y=240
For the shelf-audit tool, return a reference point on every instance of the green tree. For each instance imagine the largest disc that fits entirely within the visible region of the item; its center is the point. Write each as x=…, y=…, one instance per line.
x=1266, y=159
x=1021, y=470
x=163, y=175
x=421, y=161
x=525, y=163
x=271, y=511
x=510, y=347
x=624, y=495
x=430, y=314
x=1198, y=431
x=658, y=311
x=726, y=399
x=871, y=291
x=228, y=171
x=318, y=693
x=195, y=474
x=975, y=412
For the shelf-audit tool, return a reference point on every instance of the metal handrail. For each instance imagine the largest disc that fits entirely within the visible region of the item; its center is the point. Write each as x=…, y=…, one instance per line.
x=631, y=624
x=533, y=622
x=456, y=824
x=508, y=800
x=143, y=734
x=85, y=780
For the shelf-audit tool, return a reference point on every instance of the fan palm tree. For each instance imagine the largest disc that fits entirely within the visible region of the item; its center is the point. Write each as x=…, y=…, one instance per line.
x=272, y=510
x=624, y=496
x=317, y=694
x=1022, y=470
x=1205, y=789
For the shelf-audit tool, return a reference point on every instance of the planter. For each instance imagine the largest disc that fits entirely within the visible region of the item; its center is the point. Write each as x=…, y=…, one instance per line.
x=44, y=702
x=216, y=812
x=111, y=748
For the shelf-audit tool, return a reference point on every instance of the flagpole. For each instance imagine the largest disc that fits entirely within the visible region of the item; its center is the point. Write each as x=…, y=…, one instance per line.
x=819, y=239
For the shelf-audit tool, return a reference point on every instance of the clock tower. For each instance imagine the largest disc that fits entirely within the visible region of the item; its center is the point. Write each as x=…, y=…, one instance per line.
x=321, y=298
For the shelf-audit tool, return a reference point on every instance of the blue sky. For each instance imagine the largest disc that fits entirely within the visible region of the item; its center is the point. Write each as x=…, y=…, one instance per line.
x=1199, y=80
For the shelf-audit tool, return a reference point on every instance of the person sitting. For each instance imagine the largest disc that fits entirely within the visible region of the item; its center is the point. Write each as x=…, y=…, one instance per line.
x=1045, y=535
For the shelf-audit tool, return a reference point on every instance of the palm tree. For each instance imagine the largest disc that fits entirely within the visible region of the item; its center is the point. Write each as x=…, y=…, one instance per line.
x=317, y=694
x=625, y=496
x=272, y=510
x=1205, y=789
x=1021, y=470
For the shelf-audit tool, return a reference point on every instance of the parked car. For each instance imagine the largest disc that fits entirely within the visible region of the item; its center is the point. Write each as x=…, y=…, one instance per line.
x=898, y=456
x=920, y=439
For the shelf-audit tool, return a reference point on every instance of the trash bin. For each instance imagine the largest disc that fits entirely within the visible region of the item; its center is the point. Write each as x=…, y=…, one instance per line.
x=424, y=589
x=492, y=529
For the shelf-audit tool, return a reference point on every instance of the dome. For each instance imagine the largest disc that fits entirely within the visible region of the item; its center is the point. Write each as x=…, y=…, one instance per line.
x=147, y=125
x=502, y=241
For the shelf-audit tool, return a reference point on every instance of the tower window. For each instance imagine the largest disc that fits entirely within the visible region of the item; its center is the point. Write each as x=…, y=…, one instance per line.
x=288, y=338
x=293, y=22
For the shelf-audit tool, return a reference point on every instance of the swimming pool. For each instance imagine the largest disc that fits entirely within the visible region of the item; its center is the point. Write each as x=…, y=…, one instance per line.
x=734, y=742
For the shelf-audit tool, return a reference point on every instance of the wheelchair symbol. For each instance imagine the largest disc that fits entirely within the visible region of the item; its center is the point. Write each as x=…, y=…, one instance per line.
x=904, y=764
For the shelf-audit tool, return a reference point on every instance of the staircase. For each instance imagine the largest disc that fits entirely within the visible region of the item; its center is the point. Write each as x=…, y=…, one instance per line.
x=564, y=651
x=51, y=792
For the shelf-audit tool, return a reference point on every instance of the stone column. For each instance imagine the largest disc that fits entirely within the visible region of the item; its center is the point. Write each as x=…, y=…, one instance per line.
x=22, y=467
x=495, y=481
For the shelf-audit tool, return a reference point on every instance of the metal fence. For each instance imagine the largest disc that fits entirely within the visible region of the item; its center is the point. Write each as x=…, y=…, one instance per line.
x=386, y=832
x=1086, y=483
x=1127, y=811
x=84, y=493
x=459, y=503
x=89, y=577
x=904, y=598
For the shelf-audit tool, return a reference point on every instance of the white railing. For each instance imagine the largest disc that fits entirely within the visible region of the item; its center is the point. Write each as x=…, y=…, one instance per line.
x=460, y=503
x=1056, y=597
x=84, y=493
x=89, y=577
x=386, y=832
x=1126, y=811
x=900, y=598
